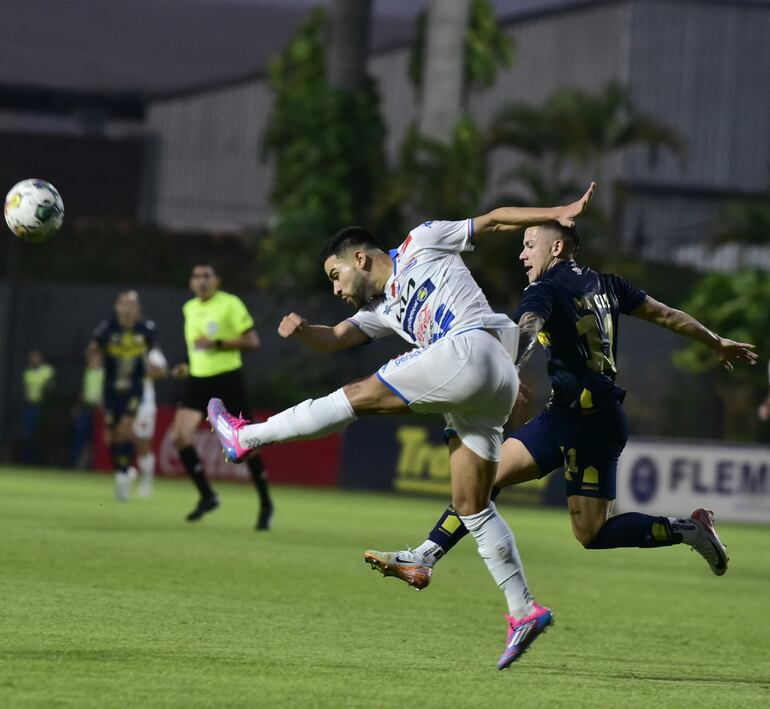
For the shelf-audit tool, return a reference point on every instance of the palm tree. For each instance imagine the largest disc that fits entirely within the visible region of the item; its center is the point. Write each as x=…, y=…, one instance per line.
x=745, y=222
x=442, y=89
x=581, y=127
x=348, y=48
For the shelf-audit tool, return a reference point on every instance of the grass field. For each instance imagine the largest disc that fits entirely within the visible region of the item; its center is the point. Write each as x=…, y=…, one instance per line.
x=126, y=605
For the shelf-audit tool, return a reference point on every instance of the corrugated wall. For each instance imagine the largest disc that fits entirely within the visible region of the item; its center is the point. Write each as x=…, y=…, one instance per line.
x=209, y=172
x=702, y=67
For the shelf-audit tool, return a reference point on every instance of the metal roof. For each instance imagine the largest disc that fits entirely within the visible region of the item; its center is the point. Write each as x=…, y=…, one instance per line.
x=135, y=50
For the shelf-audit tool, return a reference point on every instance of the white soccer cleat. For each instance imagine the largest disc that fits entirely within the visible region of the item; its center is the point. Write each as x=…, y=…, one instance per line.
x=400, y=564
x=123, y=482
x=709, y=546
x=145, y=485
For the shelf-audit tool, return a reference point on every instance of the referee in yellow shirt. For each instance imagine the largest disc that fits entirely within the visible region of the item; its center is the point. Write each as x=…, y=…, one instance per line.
x=217, y=328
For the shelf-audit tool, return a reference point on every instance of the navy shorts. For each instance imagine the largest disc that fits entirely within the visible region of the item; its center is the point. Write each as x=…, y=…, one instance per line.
x=119, y=404
x=586, y=445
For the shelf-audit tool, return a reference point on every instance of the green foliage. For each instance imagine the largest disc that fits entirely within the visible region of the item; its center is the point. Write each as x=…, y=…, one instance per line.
x=574, y=129
x=746, y=222
x=582, y=126
x=448, y=178
x=487, y=48
x=593, y=125
x=735, y=306
x=124, y=252
x=328, y=150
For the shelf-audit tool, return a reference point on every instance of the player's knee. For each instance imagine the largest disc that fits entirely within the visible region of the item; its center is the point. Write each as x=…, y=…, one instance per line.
x=122, y=433
x=586, y=533
x=469, y=504
x=466, y=508
x=584, y=536
x=180, y=439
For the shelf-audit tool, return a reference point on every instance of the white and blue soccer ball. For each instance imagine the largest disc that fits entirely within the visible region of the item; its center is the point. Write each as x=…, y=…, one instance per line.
x=34, y=210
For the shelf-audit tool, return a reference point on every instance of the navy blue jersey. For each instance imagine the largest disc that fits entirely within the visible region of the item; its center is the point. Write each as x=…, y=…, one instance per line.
x=580, y=309
x=125, y=351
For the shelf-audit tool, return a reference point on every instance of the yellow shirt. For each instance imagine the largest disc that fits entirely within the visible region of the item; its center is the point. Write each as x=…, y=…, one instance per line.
x=221, y=317
x=35, y=382
x=93, y=384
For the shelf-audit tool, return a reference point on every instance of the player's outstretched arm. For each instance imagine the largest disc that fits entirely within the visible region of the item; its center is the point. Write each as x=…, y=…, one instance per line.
x=727, y=352
x=506, y=219
x=322, y=338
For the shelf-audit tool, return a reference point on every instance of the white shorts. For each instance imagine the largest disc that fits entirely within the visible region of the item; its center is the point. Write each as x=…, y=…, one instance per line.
x=144, y=421
x=470, y=378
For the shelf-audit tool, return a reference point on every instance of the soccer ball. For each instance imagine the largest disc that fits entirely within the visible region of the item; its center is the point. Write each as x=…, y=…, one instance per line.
x=34, y=210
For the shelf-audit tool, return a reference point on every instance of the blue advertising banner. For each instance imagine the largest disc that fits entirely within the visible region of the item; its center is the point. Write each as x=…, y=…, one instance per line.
x=408, y=454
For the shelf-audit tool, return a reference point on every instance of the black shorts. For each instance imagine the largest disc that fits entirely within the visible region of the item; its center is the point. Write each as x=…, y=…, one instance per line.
x=587, y=446
x=227, y=386
x=120, y=404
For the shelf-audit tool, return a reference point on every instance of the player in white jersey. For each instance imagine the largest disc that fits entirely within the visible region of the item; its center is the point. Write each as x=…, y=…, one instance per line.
x=144, y=422
x=462, y=367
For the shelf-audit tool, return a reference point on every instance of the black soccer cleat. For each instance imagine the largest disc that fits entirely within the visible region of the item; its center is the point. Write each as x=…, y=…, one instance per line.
x=265, y=519
x=204, y=506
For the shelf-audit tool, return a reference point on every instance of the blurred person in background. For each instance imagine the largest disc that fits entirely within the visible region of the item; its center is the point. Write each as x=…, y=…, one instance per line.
x=38, y=378
x=128, y=345
x=144, y=422
x=764, y=408
x=89, y=400
x=574, y=313
x=217, y=328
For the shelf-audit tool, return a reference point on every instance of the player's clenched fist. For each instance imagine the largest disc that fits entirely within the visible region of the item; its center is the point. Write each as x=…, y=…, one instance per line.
x=291, y=325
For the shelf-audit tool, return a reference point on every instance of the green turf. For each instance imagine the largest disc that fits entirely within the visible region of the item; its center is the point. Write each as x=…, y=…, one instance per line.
x=107, y=604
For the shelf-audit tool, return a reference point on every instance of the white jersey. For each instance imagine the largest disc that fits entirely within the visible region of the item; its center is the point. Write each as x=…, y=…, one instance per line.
x=431, y=293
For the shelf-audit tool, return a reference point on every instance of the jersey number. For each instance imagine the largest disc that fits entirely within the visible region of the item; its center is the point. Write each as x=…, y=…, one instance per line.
x=599, y=335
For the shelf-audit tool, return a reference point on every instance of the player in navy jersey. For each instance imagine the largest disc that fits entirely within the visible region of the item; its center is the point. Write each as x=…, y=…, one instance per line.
x=127, y=342
x=574, y=313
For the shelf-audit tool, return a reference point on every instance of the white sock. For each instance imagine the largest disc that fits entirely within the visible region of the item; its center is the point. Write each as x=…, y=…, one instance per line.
x=146, y=465
x=498, y=550
x=686, y=528
x=313, y=418
x=428, y=553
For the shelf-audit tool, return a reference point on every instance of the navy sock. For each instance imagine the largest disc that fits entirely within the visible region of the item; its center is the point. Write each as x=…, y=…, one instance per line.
x=122, y=454
x=634, y=529
x=449, y=529
x=192, y=464
x=259, y=478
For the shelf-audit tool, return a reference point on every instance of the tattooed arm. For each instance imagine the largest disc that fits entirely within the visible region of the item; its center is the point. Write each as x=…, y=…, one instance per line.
x=529, y=327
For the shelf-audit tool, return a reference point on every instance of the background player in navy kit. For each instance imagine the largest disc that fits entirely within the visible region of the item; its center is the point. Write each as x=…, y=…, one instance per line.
x=125, y=341
x=574, y=313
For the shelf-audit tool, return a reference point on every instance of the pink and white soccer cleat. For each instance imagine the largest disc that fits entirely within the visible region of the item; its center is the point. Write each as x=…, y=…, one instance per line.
x=522, y=633
x=709, y=546
x=226, y=428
